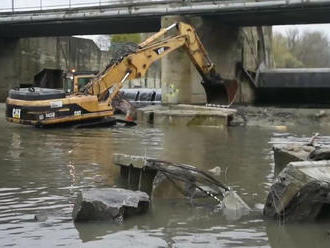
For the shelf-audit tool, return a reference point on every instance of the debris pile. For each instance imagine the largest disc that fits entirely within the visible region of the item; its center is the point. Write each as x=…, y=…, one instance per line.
x=172, y=180
x=148, y=178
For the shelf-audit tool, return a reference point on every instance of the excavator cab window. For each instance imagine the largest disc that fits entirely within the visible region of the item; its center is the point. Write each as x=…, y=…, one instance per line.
x=82, y=82
x=68, y=84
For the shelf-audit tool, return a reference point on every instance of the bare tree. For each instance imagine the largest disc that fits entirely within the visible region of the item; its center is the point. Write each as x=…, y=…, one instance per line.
x=313, y=50
x=292, y=38
x=307, y=49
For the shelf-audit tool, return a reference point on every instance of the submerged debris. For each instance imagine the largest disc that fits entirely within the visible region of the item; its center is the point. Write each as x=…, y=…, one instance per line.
x=233, y=207
x=216, y=171
x=113, y=204
x=172, y=180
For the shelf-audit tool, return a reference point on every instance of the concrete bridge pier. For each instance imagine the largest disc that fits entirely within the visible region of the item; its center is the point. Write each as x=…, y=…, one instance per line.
x=231, y=48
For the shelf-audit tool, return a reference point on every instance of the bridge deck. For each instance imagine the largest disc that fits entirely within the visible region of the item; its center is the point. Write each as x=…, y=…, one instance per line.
x=144, y=16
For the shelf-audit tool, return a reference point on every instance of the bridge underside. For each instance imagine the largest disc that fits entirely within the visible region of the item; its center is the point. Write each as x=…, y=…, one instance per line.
x=110, y=21
x=79, y=27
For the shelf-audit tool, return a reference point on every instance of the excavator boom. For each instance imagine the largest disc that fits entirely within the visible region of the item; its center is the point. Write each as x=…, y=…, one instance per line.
x=136, y=64
x=98, y=98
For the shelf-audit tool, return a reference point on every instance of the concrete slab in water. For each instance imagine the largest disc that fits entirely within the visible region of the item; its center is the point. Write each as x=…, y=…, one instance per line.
x=286, y=153
x=186, y=115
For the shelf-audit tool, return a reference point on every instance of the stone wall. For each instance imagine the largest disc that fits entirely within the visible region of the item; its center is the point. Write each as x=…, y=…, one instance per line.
x=21, y=59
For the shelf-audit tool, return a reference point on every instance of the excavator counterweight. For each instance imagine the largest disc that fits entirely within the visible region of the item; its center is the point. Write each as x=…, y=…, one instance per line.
x=44, y=107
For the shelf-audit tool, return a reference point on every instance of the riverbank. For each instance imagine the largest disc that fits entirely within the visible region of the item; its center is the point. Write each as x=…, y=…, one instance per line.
x=279, y=117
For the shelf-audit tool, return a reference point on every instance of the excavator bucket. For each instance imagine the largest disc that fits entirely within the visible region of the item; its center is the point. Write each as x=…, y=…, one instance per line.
x=220, y=92
x=122, y=104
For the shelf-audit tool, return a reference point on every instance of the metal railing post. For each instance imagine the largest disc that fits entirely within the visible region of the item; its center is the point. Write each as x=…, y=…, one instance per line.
x=69, y=4
x=12, y=6
x=40, y=4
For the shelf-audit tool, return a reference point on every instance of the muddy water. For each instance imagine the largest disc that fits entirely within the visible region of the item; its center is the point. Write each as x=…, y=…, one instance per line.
x=41, y=171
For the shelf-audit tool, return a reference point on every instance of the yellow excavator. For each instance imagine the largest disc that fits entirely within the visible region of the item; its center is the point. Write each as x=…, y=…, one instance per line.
x=48, y=107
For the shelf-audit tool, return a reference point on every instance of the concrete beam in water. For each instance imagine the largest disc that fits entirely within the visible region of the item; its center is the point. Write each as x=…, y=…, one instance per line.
x=186, y=115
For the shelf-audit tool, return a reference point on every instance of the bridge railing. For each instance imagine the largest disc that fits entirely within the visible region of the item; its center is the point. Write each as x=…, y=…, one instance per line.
x=33, y=5
x=13, y=6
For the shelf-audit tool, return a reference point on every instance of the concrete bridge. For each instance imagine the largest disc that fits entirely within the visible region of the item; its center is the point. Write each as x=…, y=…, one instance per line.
x=233, y=31
x=124, y=16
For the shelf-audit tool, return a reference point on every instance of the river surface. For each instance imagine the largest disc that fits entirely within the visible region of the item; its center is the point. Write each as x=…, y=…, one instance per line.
x=41, y=171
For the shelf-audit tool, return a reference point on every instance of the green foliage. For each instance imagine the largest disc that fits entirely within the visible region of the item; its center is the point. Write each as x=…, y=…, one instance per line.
x=119, y=38
x=309, y=49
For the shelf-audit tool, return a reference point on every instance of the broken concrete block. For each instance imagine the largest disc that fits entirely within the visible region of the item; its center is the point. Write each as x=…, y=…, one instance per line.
x=301, y=192
x=290, y=149
x=233, y=207
x=128, y=160
x=109, y=204
x=286, y=153
x=171, y=181
x=135, y=171
x=320, y=154
x=163, y=179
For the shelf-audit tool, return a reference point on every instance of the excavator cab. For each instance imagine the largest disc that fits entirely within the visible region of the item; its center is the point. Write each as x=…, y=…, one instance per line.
x=75, y=81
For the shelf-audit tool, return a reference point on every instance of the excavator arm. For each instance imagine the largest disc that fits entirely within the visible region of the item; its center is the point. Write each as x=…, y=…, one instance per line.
x=136, y=64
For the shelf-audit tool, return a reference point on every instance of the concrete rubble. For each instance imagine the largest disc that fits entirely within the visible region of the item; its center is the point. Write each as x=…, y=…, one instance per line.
x=233, y=207
x=286, y=153
x=288, y=149
x=166, y=180
x=113, y=204
x=301, y=191
x=169, y=180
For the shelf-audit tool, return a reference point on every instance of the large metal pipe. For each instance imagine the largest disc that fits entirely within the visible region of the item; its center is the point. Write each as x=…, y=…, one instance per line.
x=206, y=8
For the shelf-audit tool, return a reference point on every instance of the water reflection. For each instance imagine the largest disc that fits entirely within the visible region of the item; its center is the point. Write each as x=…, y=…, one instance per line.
x=297, y=236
